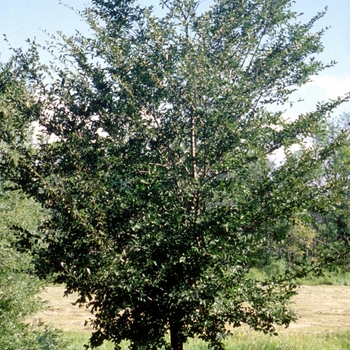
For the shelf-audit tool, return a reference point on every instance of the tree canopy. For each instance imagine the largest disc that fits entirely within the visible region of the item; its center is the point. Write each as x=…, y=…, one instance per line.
x=153, y=162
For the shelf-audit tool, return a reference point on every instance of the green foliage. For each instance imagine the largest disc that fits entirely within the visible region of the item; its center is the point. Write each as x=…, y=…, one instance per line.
x=331, y=242
x=18, y=286
x=152, y=129
x=19, y=220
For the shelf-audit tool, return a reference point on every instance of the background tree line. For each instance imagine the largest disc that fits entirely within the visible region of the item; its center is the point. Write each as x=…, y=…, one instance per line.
x=313, y=235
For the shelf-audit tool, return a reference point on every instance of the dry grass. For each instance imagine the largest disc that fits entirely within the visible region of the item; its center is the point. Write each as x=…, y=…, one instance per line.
x=320, y=308
x=61, y=312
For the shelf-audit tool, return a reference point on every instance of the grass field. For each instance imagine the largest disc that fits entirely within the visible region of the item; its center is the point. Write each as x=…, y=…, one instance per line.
x=324, y=322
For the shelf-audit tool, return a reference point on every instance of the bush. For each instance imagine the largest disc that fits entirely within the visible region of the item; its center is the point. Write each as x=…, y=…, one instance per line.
x=19, y=287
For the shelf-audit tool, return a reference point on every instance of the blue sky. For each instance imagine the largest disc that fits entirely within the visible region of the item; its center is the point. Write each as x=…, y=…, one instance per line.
x=22, y=19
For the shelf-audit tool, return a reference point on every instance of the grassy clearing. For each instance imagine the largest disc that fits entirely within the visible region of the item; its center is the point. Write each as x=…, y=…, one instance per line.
x=324, y=323
x=246, y=340
x=328, y=278
x=76, y=340
x=334, y=278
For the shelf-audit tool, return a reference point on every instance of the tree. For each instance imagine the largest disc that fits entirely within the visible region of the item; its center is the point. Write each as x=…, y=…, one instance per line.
x=151, y=130
x=19, y=287
x=19, y=221
x=323, y=235
x=333, y=226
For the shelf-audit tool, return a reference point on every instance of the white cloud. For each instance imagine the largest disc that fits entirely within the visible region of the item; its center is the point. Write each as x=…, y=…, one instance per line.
x=321, y=88
x=331, y=86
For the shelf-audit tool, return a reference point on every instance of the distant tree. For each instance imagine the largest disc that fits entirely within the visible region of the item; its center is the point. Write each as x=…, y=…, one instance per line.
x=332, y=241
x=151, y=131
x=322, y=236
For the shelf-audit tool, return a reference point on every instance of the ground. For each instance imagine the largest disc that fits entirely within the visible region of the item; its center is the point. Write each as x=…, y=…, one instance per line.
x=320, y=308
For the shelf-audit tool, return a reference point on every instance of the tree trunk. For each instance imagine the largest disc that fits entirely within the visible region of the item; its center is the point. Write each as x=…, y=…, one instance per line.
x=193, y=148
x=175, y=339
